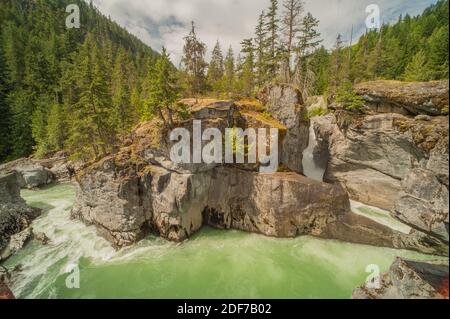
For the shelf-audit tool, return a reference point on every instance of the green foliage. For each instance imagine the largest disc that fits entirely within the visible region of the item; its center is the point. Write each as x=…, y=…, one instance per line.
x=216, y=69
x=417, y=69
x=194, y=63
x=163, y=91
x=346, y=96
x=414, y=49
x=317, y=111
x=65, y=88
x=5, y=118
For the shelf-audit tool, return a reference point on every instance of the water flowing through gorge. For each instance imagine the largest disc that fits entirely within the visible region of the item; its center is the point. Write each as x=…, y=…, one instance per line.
x=310, y=167
x=214, y=263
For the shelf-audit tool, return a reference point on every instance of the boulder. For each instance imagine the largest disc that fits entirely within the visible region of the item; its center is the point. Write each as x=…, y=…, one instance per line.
x=285, y=103
x=15, y=214
x=429, y=98
x=279, y=205
x=407, y=279
x=31, y=173
x=16, y=243
x=41, y=237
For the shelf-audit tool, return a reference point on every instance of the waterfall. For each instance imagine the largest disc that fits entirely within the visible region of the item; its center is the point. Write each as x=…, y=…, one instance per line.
x=310, y=168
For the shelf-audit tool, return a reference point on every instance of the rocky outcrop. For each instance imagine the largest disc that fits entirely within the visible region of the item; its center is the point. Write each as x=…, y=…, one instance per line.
x=31, y=174
x=140, y=191
x=16, y=243
x=279, y=205
x=371, y=155
x=285, y=104
x=414, y=98
x=392, y=161
x=368, y=155
x=408, y=279
x=15, y=214
x=129, y=200
x=423, y=204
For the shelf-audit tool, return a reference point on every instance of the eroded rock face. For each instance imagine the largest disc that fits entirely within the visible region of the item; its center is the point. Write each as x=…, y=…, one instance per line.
x=394, y=162
x=429, y=98
x=279, y=205
x=369, y=156
x=285, y=104
x=15, y=214
x=423, y=204
x=408, y=279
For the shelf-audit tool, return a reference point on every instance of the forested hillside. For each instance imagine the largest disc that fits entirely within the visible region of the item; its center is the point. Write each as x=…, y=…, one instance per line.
x=81, y=90
x=413, y=49
x=66, y=88
x=287, y=47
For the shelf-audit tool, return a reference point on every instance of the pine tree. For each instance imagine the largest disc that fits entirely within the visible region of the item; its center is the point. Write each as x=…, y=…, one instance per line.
x=247, y=73
x=417, y=69
x=194, y=62
x=438, y=53
x=320, y=65
x=164, y=91
x=230, y=70
x=337, y=66
x=56, y=128
x=290, y=26
x=122, y=114
x=309, y=37
x=308, y=41
x=272, y=27
x=90, y=123
x=216, y=68
x=261, y=51
x=5, y=118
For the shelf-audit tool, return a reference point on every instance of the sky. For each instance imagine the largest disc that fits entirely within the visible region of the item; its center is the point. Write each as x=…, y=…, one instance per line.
x=166, y=22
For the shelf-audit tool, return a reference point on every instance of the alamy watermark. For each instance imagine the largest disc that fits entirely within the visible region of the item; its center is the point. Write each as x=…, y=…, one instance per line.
x=73, y=279
x=373, y=281
x=257, y=145
x=73, y=19
x=373, y=19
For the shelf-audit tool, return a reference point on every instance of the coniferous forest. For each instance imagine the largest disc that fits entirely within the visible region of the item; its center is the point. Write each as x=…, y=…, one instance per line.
x=82, y=90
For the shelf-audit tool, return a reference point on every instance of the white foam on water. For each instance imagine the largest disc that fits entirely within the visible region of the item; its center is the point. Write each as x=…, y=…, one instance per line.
x=69, y=241
x=379, y=215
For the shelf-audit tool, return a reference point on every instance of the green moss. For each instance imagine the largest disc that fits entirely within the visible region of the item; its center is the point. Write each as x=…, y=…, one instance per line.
x=317, y=111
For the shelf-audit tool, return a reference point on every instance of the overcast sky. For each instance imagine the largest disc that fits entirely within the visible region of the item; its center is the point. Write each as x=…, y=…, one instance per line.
x=165, y=22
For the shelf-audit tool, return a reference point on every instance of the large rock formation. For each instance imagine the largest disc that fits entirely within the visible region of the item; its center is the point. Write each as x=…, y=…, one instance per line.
x=393, y=161
x=408, y=279
x=15, y=214
x=139, y=191
x=370, y=155
x=285, y=104
x=405, y=97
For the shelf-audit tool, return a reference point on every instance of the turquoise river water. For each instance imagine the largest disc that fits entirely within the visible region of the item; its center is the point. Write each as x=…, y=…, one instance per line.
x=212, y=264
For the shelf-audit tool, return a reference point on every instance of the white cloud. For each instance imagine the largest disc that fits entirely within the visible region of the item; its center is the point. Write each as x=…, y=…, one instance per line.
x=166, y=22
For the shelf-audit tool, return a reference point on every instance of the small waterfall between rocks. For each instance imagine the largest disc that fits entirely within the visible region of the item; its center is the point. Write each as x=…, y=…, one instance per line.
x=314, y=171
x=310, y=167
